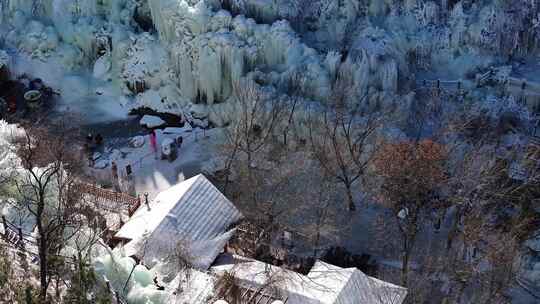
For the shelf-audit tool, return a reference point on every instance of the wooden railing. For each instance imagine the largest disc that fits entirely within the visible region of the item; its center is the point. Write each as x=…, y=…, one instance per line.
x=25, y=243
x=15, y=236
x=106, y=196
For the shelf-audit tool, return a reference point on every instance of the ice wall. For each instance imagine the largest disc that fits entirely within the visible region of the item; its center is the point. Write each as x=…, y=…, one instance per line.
x=133, y=282
x=210, y=50
x=202, y=47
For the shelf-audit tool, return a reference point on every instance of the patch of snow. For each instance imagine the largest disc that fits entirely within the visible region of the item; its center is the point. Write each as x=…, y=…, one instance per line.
x=151, y=121
x=172, y=130
x=102, y=67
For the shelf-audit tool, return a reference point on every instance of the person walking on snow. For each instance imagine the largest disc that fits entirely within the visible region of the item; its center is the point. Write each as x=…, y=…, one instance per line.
x=153, y=143
x=115, y=180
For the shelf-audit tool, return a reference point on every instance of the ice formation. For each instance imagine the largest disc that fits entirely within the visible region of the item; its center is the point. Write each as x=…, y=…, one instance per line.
x=201, y=48
x=9, y=164
x=8, y=158
x=135, y=282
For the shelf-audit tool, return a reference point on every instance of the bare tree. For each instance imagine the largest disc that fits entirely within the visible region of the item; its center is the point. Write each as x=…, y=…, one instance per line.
x=47, y=188
x=343, y=140
x=181, y=261
x=228, y=287
x=252, y=129
x=15, y=285
x=412, y=176
x=295, y=90
x=319, y=219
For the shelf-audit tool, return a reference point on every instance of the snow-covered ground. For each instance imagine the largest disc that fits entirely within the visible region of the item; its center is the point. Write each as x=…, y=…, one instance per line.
x=92, y=100
x=151, y=174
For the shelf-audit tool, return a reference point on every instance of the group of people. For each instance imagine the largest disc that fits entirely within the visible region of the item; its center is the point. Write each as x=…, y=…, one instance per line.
x=154, y=143
x=95, y=143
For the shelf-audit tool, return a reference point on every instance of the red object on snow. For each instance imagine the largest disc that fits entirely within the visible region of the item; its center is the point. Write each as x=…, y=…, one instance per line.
x=153, y=141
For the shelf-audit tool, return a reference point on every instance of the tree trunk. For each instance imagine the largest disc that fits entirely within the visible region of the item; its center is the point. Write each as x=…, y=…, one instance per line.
x=453, y=231
x=317, y=240
x=405, y=264
x=42, y=249
x=460, y=293
x=228, y=168
x=42, y=264
x=350, y=199
x=28, y=295
x=82, y=286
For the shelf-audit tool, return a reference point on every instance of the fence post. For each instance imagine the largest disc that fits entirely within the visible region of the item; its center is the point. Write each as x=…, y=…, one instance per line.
x=4, y=222
x=21, y=239
x=108, y=284
x=146, y=201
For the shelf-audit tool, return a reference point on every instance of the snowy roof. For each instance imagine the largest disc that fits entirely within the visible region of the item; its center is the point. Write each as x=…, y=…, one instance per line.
x=193, y=211
x=324, y=284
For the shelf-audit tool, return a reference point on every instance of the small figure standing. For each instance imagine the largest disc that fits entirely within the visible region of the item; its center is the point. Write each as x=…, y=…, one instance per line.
x=89, y=138
x=153, y=143
x=85, y=150
x=99, y=140
x=91, y=161
x=114, y=169
x=89, y=149
x=129, y=179
x=180, y=140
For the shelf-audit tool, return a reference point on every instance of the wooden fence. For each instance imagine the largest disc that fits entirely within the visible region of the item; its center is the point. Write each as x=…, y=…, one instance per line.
x=110, y=199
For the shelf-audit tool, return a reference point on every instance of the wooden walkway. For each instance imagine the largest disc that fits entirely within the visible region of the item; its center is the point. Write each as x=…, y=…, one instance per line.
x=15, y=236
x=527, y=92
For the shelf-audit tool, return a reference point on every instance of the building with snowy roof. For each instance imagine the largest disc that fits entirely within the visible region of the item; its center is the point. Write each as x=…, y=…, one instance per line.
x=193, y=215
x=324, y=284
